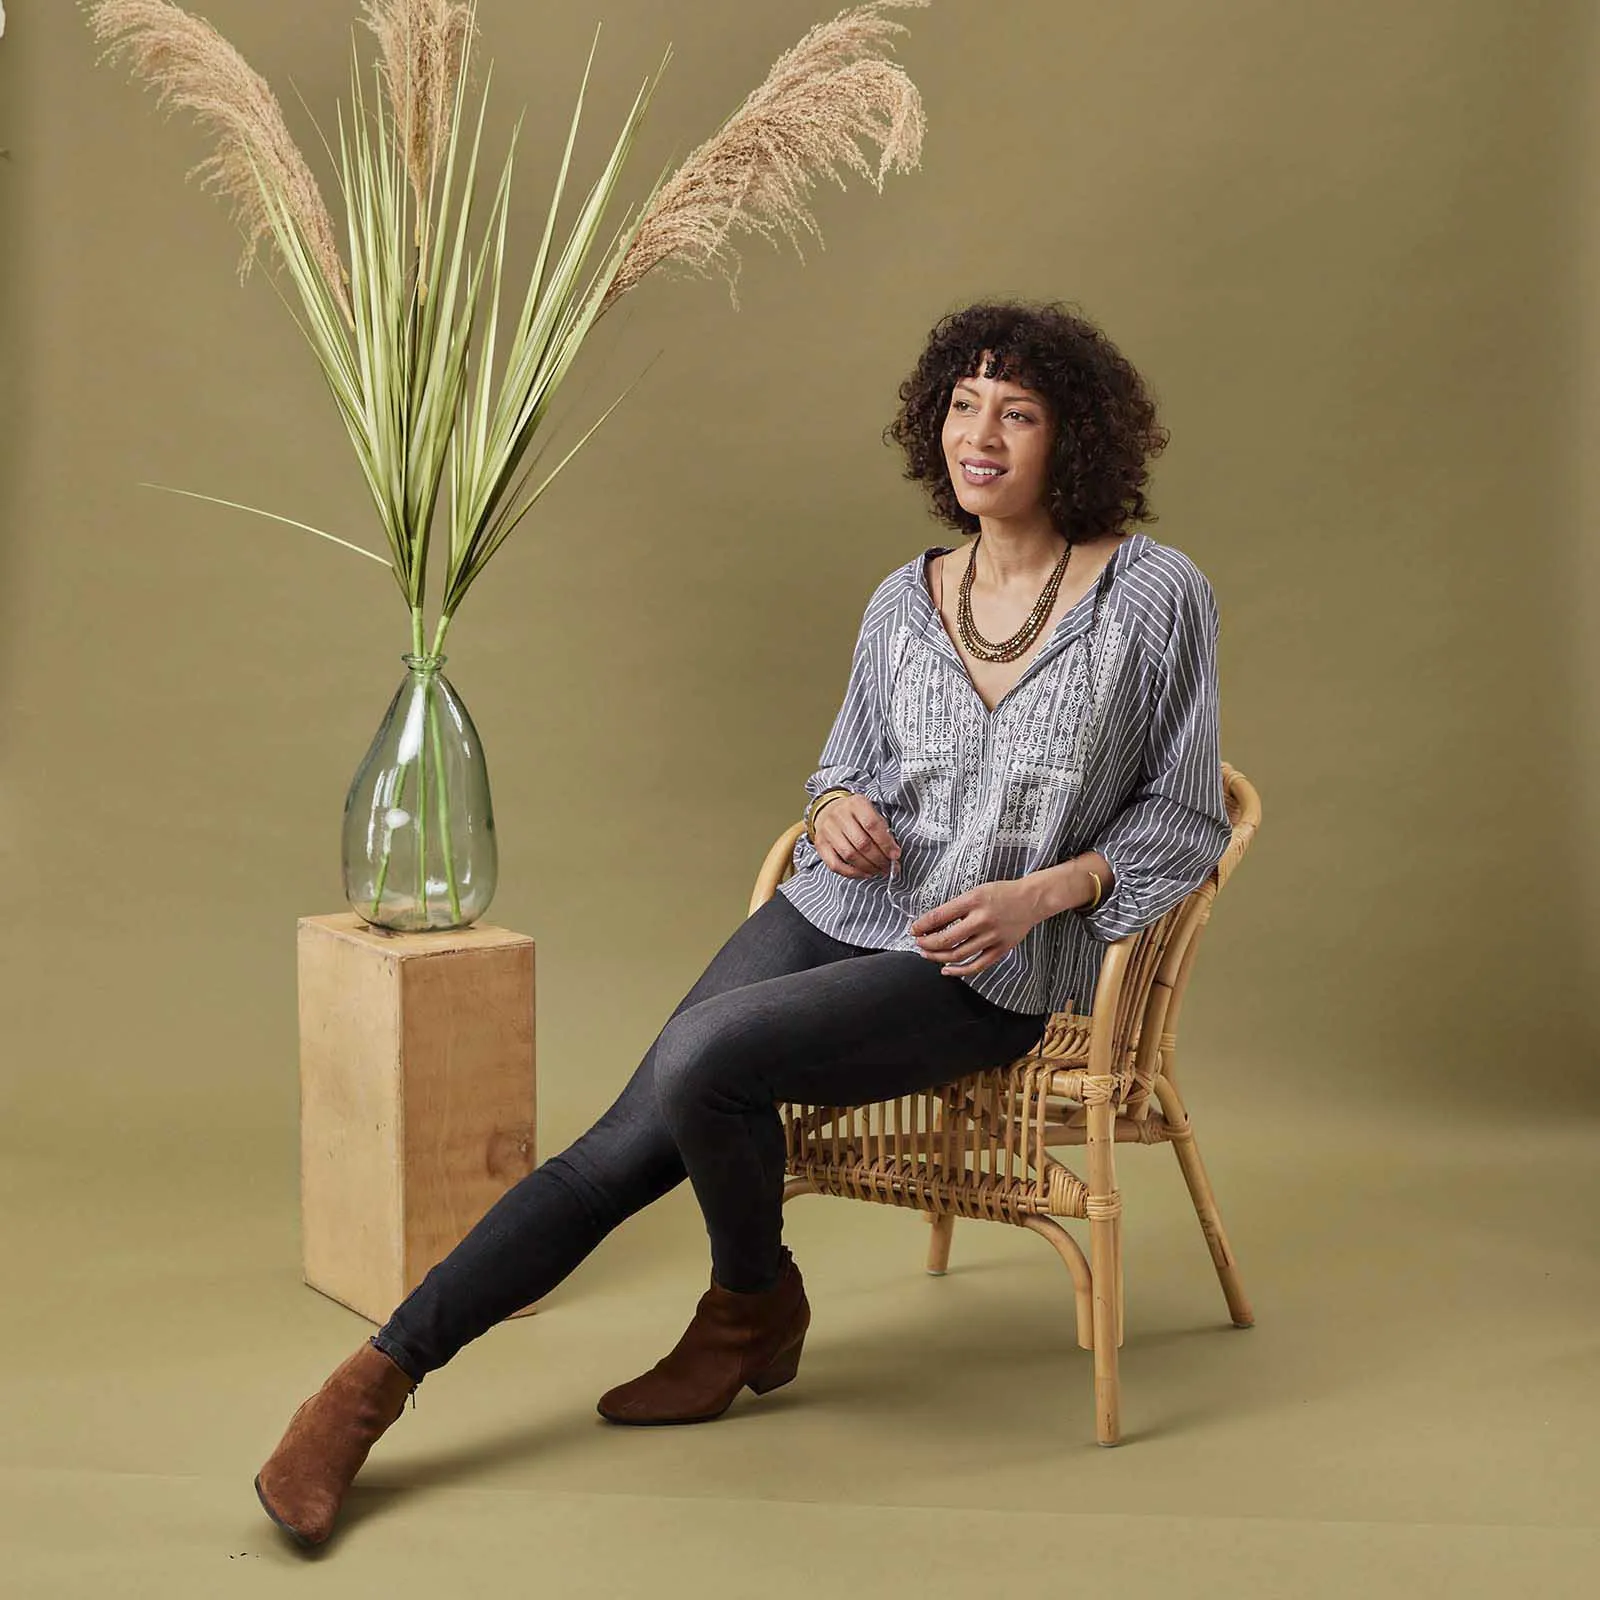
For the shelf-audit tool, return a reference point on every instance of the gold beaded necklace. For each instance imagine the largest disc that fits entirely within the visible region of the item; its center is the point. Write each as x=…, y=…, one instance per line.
x=1007, y=649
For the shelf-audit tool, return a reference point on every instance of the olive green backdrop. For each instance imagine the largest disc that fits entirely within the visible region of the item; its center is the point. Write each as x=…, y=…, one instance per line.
x=1341, y=241
x=1355, y=248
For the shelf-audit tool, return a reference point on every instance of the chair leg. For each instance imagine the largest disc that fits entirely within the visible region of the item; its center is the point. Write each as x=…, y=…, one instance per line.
x=1116, y=1256
x=944, y=1226
x=1107, y=1377
x=1105, y=1270
x=1187, y=1151
x=1071, y=1254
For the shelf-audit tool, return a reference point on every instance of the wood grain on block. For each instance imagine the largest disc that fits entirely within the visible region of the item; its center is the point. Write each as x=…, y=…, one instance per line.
x=417, y=1084
x=466, y=1022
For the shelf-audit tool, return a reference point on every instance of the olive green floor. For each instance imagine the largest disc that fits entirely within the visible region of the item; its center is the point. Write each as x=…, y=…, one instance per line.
x=1414, y=1413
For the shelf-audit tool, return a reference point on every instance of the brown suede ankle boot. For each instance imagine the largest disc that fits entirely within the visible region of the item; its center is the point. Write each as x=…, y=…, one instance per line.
x=734, y=1341
x=304, y=1480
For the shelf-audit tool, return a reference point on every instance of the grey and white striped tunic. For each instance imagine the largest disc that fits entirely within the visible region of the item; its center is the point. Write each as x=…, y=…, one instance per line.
x=1108, y=741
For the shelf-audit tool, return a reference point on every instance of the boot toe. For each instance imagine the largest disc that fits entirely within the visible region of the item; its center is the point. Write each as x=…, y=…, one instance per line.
x=625, y=1404
x=645, y=1402
x=307, y=1526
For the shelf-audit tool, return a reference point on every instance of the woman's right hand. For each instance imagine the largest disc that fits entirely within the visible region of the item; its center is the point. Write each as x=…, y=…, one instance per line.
x=853, y=839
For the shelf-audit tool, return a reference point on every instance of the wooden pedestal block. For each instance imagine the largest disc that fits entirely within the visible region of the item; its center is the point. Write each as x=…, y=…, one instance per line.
x=416, y=1097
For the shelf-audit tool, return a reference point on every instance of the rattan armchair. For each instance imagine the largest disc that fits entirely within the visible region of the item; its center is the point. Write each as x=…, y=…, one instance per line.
x=979, y=1147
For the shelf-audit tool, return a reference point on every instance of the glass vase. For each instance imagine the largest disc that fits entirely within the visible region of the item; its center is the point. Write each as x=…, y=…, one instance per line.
x=419, y=844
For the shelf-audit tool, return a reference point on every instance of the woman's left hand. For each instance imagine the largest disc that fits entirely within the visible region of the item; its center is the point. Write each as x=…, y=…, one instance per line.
x=973, y=931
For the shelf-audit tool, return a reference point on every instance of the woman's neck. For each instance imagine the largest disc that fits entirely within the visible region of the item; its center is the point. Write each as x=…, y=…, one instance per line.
x=1012, y=555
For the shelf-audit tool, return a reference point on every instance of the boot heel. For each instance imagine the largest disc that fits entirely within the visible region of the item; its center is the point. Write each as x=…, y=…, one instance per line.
x=782, y=1370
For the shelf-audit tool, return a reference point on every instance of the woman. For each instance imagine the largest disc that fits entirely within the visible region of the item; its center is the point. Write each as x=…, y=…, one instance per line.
x=1025, y=766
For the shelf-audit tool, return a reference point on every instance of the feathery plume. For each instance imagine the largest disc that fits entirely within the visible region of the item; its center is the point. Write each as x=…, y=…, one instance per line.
x=191, y=65
x=821, y=96
x=422, y=45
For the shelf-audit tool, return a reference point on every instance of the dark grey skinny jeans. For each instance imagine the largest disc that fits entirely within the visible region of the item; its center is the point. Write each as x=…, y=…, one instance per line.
x=783, y=1012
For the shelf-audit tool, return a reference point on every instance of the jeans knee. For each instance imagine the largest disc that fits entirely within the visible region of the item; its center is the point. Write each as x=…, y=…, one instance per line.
x=690, y=1067
x=618, y=1166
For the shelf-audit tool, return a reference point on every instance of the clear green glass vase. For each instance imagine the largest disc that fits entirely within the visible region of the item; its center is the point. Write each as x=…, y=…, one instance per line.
x=419, y=843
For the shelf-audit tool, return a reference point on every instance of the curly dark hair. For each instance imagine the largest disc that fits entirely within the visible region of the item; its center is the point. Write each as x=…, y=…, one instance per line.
x=1105, y=419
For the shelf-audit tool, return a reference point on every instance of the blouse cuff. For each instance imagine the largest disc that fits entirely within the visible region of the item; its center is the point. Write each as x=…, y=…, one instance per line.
x=1116, y=913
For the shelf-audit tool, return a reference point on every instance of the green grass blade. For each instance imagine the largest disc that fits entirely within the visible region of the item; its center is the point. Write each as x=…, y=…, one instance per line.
x=456, y=591
x=273, y=515
x=536, y=277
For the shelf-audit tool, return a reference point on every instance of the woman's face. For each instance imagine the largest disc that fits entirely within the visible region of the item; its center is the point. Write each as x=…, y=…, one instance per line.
x=997, y=423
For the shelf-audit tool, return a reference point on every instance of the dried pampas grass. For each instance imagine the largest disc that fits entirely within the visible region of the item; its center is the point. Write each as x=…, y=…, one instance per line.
x=408, y=339
x=422, y=44
x=822, y=96
x=191, y=65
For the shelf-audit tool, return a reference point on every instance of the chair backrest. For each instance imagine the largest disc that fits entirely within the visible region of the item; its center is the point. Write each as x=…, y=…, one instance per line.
x=1141, y=1011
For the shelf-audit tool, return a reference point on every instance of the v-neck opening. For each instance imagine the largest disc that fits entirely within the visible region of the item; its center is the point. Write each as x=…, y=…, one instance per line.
x=990, y=712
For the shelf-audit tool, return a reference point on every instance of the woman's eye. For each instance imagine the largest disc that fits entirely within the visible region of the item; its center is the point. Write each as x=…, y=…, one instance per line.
x=957, y=405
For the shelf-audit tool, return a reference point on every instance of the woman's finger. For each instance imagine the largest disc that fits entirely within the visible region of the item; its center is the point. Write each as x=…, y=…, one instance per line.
x=867, y=851
x=834, y=857
x=885, y=841
x=989, y=948
x=971, y=964
x=855, y=845
x=943, y=947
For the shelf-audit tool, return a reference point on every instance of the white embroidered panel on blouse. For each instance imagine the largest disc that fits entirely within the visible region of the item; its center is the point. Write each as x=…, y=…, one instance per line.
x=979, y=780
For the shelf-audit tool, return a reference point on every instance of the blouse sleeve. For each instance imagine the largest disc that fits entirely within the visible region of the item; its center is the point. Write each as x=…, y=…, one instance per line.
x=852, y=754
x=1175, y=826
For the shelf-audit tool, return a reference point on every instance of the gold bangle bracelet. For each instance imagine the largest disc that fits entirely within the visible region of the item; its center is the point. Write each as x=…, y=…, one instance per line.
x=1097, y=888
x=816, y=806
x=823, y=800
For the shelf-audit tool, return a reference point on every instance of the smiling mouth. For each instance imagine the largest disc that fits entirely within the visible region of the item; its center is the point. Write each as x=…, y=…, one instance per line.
x=979, y=475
